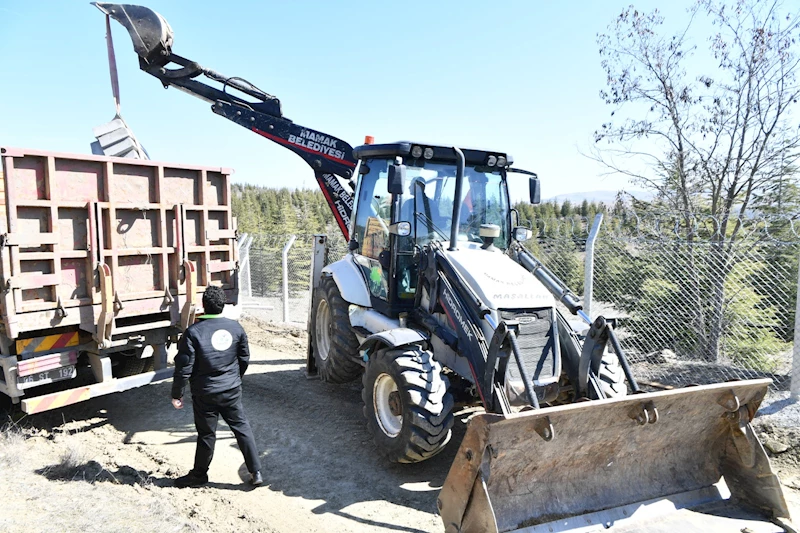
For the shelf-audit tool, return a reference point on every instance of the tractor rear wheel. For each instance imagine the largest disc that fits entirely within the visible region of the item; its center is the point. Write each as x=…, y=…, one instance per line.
x=335, y=345
x=407, y=405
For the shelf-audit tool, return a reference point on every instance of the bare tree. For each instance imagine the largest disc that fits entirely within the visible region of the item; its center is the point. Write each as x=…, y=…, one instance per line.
x=710, y=126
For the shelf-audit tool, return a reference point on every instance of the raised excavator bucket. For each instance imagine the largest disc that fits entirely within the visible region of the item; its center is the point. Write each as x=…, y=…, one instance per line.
x=149, y=31
x=681, y=460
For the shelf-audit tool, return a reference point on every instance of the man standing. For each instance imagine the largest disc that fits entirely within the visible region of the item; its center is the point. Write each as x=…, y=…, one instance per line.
x=213, y=355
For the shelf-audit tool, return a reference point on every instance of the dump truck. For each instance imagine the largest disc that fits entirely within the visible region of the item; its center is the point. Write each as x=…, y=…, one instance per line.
x=101, y=263
x=438, y=302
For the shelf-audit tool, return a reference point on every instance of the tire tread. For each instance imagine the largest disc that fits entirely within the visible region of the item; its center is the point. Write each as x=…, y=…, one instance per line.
x=342, y=365
x=428, y=418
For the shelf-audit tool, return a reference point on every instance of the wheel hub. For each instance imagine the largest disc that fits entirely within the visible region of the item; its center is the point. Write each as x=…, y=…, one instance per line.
x=395, y=407
x=323, y=330
x=387, y=405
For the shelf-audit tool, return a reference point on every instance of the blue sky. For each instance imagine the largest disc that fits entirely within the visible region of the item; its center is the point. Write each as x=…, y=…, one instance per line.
x=520, y=76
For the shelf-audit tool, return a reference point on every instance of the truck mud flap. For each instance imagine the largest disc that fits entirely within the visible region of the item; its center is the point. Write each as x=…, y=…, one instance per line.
x=604, y=464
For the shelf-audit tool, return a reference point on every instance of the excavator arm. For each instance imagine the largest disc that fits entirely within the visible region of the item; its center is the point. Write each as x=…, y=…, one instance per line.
x=330, y=157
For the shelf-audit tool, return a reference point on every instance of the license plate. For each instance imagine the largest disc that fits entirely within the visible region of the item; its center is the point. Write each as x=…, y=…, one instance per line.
x=47, y=376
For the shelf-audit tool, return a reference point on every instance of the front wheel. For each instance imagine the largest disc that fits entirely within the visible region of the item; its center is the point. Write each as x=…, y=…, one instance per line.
x=408, y=407
x=611, y=376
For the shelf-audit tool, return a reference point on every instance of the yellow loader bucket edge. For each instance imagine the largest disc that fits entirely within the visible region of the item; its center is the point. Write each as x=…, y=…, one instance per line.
x=550, y=465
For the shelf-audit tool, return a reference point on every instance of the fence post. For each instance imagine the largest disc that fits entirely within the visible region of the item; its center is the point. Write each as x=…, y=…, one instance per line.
x=588, y=268
x=319, y=258
x=244, y=263
x=794, y=387
x=285, y=269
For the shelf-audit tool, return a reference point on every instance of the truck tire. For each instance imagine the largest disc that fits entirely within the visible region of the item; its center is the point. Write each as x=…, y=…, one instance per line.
x=612, y=378
x=335, y=345
x=130, y=364
x=408, y=407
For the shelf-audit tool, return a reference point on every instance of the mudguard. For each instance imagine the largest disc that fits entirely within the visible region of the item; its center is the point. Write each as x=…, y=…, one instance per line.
x=393, y=338
x=620, y=464
x=350, y=280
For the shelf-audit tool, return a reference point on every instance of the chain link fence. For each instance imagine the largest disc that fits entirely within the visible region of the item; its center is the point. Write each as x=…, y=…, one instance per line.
x=695, y=310
x=262, y=274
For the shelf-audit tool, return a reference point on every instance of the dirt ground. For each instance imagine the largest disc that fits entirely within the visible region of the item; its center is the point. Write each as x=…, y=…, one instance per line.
x=108, y=464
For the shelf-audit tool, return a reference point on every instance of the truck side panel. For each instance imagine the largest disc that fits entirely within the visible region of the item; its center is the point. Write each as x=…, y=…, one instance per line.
x=62, y=214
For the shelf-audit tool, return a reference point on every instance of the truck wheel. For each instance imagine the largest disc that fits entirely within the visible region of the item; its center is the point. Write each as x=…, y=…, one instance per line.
x=408, y=408
x=130, y=363
x=335, y=345
x=612, y=378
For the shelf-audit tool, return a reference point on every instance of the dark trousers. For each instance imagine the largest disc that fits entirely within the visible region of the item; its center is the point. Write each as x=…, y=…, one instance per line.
x=207, y=409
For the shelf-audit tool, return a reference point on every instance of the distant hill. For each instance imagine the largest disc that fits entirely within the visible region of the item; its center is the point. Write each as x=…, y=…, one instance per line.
x=606, y=197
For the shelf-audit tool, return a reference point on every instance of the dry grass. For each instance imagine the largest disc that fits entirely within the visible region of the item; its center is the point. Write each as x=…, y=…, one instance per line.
x=12, y=444
x=73, y=462
x=51, y=484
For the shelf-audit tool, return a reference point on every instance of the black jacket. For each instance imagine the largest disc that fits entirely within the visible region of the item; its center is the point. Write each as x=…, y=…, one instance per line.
x=213, y=355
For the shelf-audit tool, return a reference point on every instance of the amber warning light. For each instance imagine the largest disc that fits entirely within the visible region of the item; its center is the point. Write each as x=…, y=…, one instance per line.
x=369, y=139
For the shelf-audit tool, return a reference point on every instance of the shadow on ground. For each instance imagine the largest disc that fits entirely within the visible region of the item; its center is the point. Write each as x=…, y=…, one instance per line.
x=94, y=472
x=312, y=436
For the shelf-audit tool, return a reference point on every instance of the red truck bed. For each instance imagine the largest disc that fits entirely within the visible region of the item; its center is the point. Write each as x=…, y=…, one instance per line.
x=107, y=247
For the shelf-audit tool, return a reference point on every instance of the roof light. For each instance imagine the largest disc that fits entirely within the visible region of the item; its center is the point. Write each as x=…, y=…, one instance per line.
x=369, y=139
x=491, y=161
x=501, y=161
x=416, y=152
x=428, y=154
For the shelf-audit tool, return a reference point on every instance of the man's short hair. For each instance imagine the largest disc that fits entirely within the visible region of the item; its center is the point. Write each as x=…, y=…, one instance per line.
x=213, y=300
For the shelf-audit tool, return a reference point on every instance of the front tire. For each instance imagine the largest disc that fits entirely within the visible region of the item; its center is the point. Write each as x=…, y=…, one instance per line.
x=335, y=345
x=612, y=377
x=408, y=407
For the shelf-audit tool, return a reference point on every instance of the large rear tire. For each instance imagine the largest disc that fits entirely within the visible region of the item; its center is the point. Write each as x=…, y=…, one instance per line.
x=335, y=345
x=408, y=407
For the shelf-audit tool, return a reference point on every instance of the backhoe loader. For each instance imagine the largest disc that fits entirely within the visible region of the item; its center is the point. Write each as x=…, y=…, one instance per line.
x=438, y=302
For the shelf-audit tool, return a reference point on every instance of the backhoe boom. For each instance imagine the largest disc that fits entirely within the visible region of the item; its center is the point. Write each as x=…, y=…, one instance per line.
x=327, y=155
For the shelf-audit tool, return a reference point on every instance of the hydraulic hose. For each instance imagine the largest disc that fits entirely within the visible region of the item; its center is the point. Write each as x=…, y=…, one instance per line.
x=557, y=287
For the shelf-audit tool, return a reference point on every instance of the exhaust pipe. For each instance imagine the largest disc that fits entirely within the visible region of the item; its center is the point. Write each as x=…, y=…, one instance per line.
x=150, y=32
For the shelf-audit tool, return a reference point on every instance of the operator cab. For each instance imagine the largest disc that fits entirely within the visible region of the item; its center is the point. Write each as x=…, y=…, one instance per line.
x=410, y=195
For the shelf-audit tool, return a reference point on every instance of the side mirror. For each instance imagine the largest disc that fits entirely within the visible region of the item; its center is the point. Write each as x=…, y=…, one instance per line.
x=536, y=193
x=397, y=179
x=402, y=229
x=522, y=234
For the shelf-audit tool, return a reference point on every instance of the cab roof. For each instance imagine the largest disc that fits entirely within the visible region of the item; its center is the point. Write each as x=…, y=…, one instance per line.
x=472, y=156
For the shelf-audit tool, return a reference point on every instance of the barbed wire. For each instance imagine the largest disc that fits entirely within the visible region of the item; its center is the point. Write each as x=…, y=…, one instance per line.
x=674, y=227
x=276, y=241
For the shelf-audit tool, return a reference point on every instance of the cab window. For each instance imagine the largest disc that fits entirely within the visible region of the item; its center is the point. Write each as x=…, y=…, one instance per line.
x=371, y=231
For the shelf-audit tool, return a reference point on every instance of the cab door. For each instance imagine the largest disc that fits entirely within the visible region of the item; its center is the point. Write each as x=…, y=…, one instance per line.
x=371, y=229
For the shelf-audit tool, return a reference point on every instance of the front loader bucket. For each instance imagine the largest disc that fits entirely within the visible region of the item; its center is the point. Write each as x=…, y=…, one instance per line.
x=149, y=31
x=617, y=463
